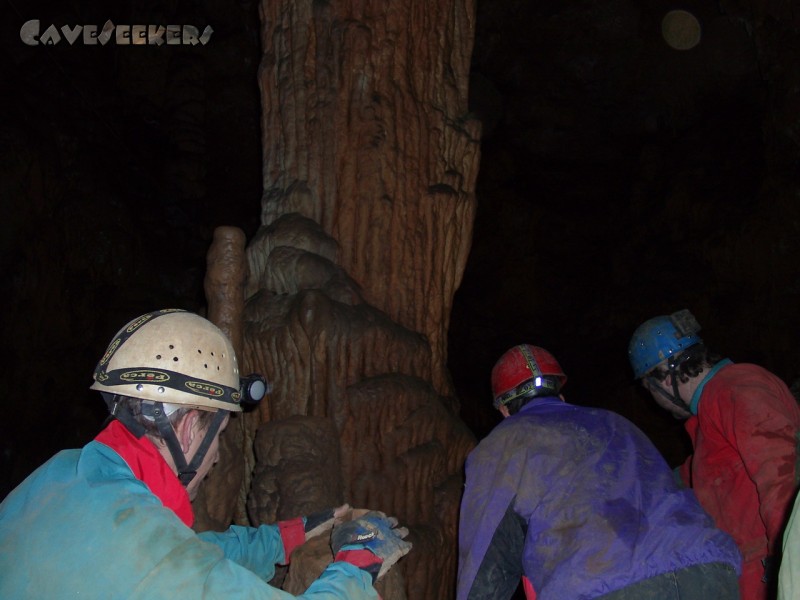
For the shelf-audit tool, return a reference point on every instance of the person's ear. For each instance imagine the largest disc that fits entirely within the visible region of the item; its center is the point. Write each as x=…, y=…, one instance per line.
x=186, y=429
x=504, y=411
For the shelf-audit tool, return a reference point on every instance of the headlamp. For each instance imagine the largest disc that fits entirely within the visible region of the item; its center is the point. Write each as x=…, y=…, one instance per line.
x=253, y=388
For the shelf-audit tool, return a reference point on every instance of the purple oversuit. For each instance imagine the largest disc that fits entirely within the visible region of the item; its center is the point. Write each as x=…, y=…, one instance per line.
x=598, y=506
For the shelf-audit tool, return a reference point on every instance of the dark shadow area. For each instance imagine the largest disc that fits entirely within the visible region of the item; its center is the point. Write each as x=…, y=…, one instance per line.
x=118, y=163
x=620, y=179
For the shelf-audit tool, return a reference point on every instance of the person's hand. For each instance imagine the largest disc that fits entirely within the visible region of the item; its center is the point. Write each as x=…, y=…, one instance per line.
x=301, y=529
x=319, y=522
x=372, y=542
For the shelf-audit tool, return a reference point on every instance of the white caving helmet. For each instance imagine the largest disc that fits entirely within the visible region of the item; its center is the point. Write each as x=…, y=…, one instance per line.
x=171, y=356
x=172, y=359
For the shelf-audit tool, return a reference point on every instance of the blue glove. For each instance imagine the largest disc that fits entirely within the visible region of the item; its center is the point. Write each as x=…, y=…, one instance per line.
x=372, y=542
x=301, y=529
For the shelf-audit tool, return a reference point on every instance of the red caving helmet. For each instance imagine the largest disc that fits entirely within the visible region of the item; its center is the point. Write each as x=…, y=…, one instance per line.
x=526, y=370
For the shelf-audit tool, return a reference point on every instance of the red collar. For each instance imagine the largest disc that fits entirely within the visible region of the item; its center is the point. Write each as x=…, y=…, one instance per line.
x=149, y=467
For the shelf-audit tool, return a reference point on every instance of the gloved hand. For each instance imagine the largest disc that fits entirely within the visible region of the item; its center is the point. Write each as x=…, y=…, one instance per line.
x=300, y=529
x=324, y=520
x=372, y=542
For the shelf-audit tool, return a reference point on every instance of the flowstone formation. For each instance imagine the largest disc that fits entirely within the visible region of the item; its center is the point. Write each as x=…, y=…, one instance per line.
x=351, y=416
x=370, y=157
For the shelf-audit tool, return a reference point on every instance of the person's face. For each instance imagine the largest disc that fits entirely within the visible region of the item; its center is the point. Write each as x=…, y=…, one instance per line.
x=209, y=460
x=658, y=389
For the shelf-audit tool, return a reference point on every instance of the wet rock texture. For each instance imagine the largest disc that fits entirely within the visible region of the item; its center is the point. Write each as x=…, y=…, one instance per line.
x=366, y=131
x=350, y=417
x=297, y=469
x=369, y=172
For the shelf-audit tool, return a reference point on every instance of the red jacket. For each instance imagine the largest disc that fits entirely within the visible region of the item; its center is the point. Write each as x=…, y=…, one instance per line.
x=744, y=434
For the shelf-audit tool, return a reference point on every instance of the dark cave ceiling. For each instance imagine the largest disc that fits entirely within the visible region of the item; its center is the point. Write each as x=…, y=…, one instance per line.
x=619, y=179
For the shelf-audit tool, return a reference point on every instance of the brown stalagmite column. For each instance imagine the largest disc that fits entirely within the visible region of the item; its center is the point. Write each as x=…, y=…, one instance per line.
x=221, y=499
x=370, y=162
x=366, y=131
x=226, y=276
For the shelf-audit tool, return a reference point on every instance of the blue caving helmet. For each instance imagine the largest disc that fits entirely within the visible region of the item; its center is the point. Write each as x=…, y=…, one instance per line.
x=660, y=338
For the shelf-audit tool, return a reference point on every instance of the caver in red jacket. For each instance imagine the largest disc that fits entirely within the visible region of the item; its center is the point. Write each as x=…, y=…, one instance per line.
x=744, y=432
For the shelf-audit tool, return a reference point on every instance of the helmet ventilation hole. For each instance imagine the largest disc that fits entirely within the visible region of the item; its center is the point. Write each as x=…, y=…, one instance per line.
x=171, y=356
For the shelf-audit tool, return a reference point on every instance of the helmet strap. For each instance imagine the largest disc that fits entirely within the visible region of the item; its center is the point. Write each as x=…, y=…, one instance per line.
x=121, y=414
x=673, y=365
x=675, y=392
x=202, y=450
x=675, y=396
x=186, y=472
